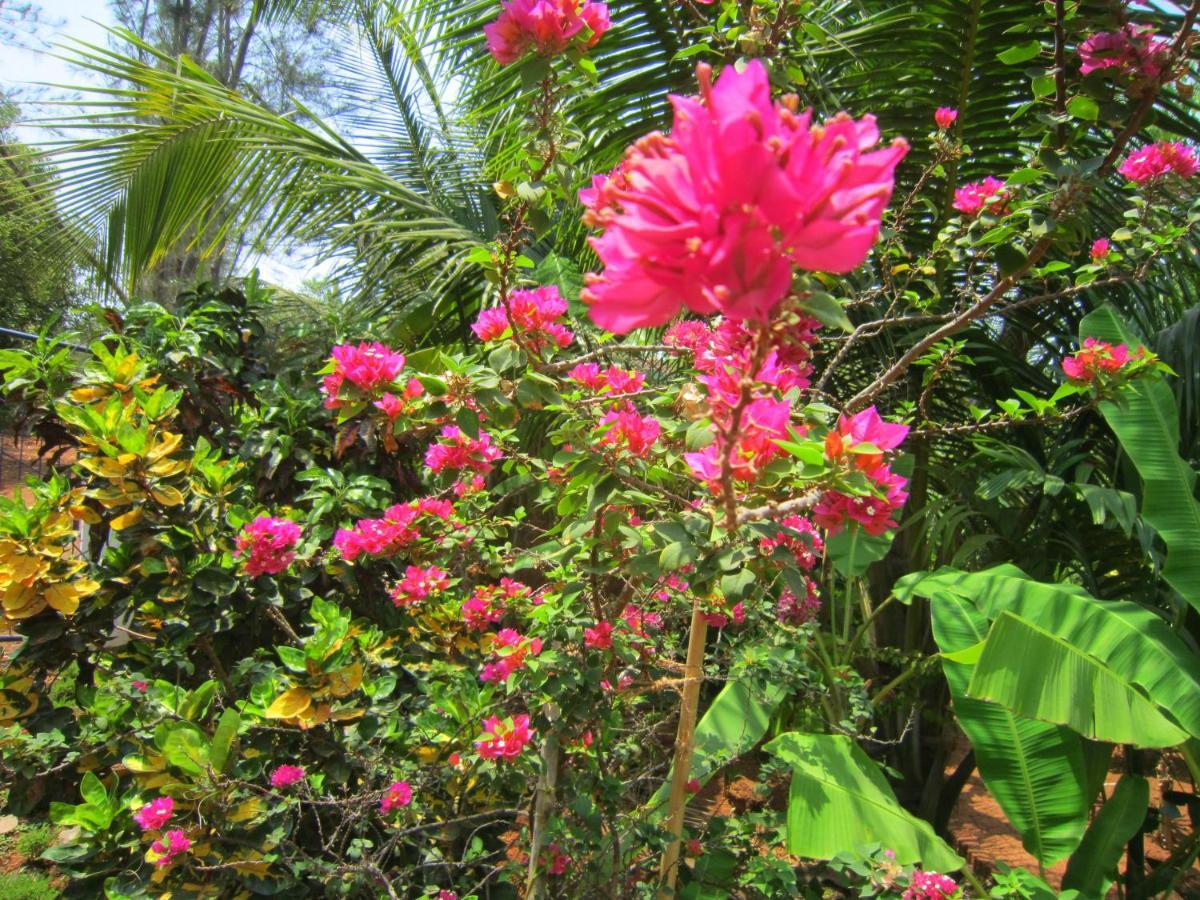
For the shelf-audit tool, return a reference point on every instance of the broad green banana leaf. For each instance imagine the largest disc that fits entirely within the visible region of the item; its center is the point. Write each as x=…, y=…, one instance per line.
x=1037, y=674
x=1131, y=641
x=839, y=800
x=1035, y=770
x=1093, y=867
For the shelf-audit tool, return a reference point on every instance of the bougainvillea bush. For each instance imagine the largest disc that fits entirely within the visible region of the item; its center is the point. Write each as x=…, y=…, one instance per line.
x=500, y=616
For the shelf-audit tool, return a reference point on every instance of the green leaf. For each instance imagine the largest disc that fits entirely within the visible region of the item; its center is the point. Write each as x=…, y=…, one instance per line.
x=839, y=801
x=1132, y=641
x=196, y=703
x=1020, y=53
x=93, y=792
x=1084, y=107
x=1093, y=867
x=1145, y=420
x=1035, y=770
x=1042, y=676
x=826, y=310
x=292, y=657
x=732, y=726
x=186, y=747
x=223, y=738
x=852, y=550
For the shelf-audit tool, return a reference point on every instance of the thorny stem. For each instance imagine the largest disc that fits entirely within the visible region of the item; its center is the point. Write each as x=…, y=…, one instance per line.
x=698, y=633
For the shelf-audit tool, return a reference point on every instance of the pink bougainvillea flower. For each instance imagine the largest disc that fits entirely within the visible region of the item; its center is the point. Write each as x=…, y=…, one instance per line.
x=806, y=547
x=1134, y=51
x=536, y=315
x=715, y=216
x=487, y=603
x=639, y=621
x=599, y=637
x=140, y=686
x=990, y=194
x=613, y=380
x=285, y=776
x=630, y=430
x=456, y=450
x=1100, y=249
x=558, y=860
x=172, y=844
x=509, y=652
x=504, y=739
x=418, y=584
x=155, y=814
x=1098, y=358
x=401, y=526
x=763, y=422
x=693, y=786
x=546, y=27
x=875, y=514
x=866, y=427
x=945, y=116
x=367, y=366
x=268, y=543
x=394, y=406
x=930, y=886
x=1158, y=160
x=793, y=610
x=397, y=794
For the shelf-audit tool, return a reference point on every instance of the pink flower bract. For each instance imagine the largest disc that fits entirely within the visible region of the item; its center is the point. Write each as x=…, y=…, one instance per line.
x=536, y=313
x=418, y=584
x=155, y=814
x=504, y=739
x=267, y=544
x=631, y=431
x=715, y=216
x=547, y=27
x=930, y=886
x=945, y=117
x=285, y=776
x=171, y=845
x=972, y=199
x=368, y=366
x=1134, y=51
x=457, y=450
x=1158, y=160
x=1100, y=249
x=398, y=794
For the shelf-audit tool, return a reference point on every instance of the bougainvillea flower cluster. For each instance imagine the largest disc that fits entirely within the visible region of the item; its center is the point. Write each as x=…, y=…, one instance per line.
x=989, y=194
x=401, y=526
x=398, y=794
x=268, y=545
x=456, y=450
x=1098, y=359
x=536, y=315
x=763, y=422
x=860, y=444
x=393, y=406
x=598, y=637
x=172, y=844
x=793, y=610
x=419, y=584
x=1156, y=161
x=155, y=814
x=285, y=776
x=630, y=431
x=716, y=215
x=1134, y=52
x=504, y=739
x=945, y=116
x=545, y=27
x=367, y=366
x=487, y=604
x=510, y=650
x=930, y=886
x=1100, y=250
x=613, y=380
x=800, y=538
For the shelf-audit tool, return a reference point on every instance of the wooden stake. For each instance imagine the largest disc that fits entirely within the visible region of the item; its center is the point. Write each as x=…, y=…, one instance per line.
x=693, y=676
